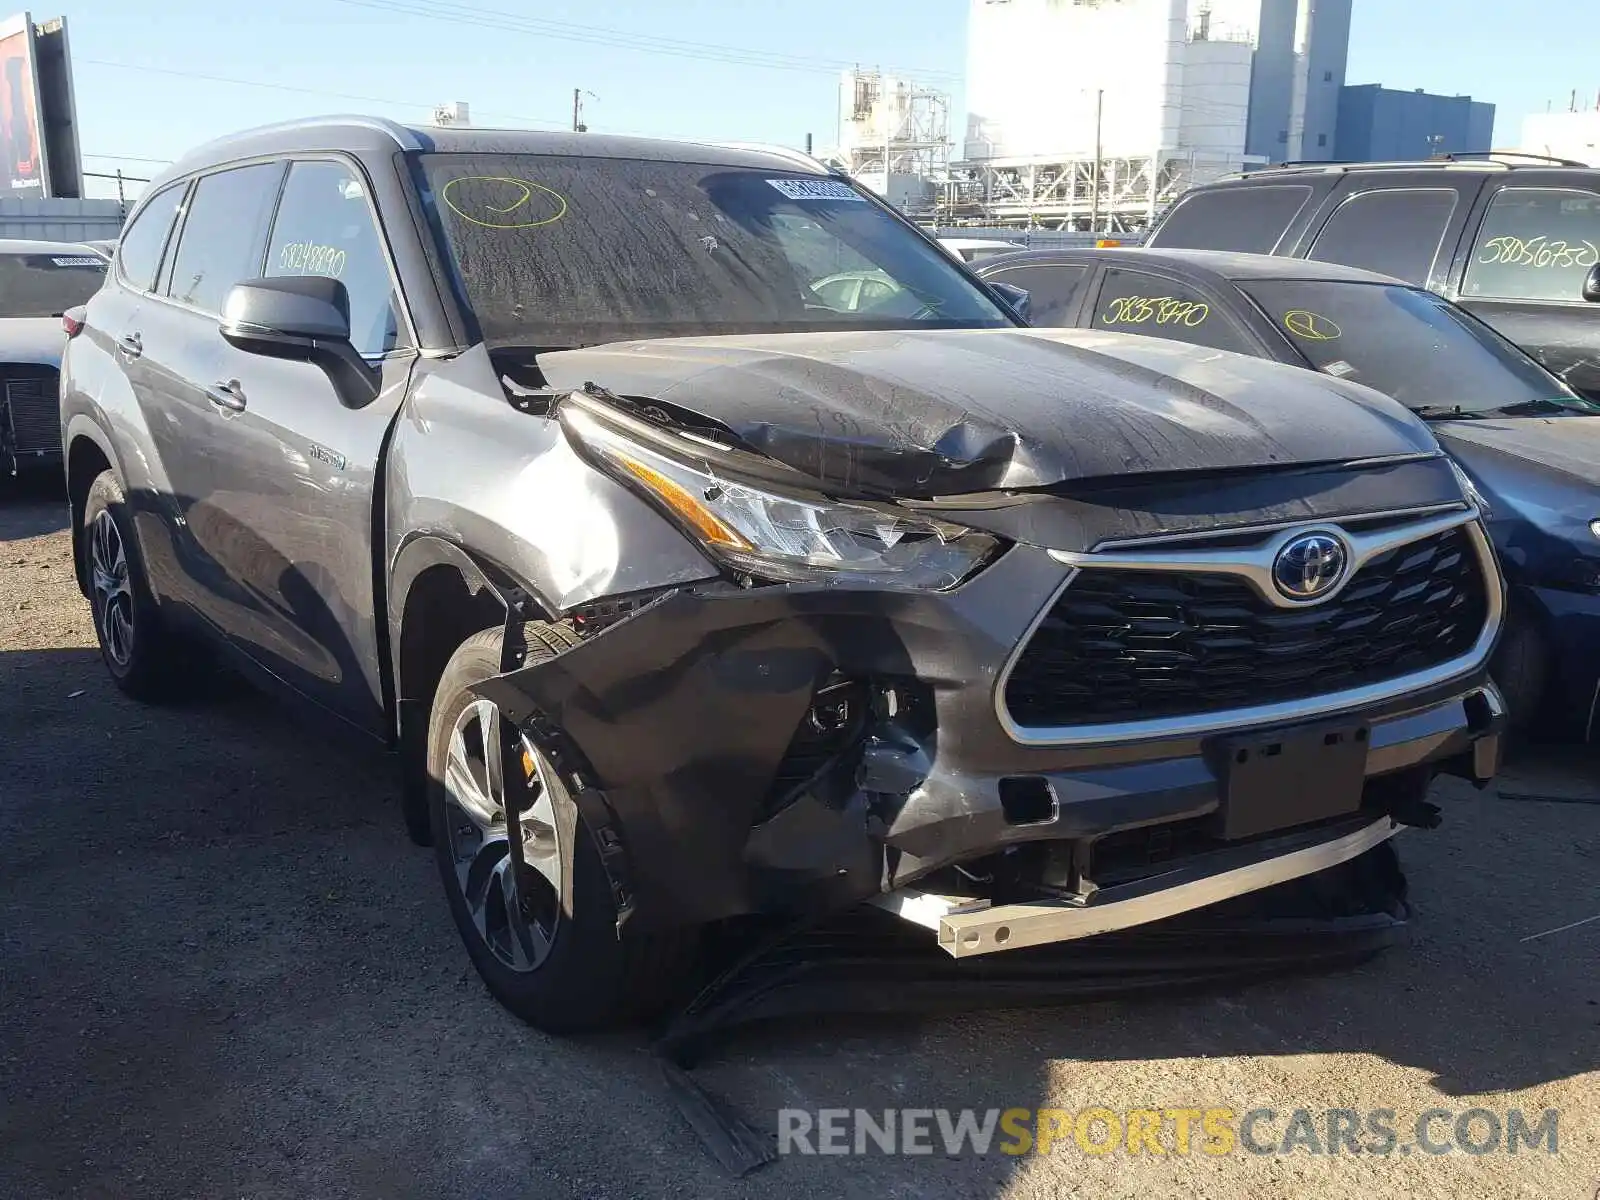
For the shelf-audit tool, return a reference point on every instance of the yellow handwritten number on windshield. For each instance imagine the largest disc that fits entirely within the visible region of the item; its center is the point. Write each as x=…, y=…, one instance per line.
x=1540, y=252
x=1313, y=327
x=1162, y=310
x=503, y=202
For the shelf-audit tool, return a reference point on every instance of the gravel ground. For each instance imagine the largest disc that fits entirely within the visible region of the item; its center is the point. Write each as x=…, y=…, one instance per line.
x=225, y=973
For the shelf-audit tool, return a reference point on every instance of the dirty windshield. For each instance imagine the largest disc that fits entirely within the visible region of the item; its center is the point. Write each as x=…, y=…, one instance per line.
x=1411, y=345
x=554, y=251
x=46, y=285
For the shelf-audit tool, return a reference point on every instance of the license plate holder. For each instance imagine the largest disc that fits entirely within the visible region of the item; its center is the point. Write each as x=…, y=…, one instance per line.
x=1281, y=778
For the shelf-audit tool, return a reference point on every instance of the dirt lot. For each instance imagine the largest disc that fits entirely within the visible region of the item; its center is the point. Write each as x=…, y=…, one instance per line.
x=225, y=973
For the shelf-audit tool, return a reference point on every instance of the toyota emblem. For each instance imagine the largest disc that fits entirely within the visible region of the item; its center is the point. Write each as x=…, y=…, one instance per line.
x=1310, y=566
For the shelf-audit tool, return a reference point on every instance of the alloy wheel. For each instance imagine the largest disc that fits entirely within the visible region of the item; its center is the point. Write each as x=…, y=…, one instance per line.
x=113, y=593
x=507, y=855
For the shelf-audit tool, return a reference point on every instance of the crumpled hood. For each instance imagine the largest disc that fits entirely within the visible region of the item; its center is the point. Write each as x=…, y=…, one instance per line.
x=35, y=340
x=946, y=412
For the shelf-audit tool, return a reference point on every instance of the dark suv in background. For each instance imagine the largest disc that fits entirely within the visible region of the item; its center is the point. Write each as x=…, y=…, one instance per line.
x=1514, y=240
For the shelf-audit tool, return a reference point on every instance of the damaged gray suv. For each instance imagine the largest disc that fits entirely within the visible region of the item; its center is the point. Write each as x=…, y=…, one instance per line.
x=690, y=586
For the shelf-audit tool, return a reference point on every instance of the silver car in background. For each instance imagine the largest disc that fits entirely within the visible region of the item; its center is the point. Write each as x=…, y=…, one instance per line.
x=39, y=282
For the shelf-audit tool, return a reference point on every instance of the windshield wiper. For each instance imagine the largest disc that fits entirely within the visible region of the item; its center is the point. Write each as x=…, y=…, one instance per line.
x=1447, y=412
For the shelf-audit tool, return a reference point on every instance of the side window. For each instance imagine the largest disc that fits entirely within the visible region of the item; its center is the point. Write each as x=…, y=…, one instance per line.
x=1133, y=302
x=139, y=250
x=1051, y=288
x=325, y=227
x=1535, y=244
x=223, y=233
x=1247, y=219
x=1394, y=232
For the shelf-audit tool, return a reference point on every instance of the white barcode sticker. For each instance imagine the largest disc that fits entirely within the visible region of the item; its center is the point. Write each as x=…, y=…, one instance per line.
x=816, y=189
x=84, y=260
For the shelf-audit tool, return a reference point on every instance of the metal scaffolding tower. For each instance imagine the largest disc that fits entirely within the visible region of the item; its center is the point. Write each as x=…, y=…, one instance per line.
x=1059, y=192
x=894, y=135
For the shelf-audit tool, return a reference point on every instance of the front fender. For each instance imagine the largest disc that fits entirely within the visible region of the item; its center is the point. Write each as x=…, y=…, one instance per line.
x=506, y=488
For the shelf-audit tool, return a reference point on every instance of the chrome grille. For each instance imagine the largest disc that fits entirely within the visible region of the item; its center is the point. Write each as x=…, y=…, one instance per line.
x=1129, y=645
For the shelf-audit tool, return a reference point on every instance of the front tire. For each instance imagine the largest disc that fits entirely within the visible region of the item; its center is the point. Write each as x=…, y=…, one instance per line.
x=520, y=870
x=1521, y=669
x=142, y=656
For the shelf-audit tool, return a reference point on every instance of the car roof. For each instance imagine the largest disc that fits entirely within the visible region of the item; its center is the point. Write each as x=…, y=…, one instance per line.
x=959, y=243
x=1215, y=264
x=377, y=136
x=41, y=246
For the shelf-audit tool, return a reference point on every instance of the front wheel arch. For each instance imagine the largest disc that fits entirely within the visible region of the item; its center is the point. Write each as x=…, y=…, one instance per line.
x=441, y=596
x=86, y=459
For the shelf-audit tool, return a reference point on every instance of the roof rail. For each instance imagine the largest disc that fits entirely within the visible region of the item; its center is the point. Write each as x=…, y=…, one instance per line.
x=1498, y=155
x=1504, y=160
x=1310, y=162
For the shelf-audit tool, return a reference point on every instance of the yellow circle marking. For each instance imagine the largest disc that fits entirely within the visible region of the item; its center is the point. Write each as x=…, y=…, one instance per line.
x=527, y=187
x=1313, y=327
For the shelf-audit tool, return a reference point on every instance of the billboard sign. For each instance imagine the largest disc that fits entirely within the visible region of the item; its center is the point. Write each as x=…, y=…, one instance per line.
x=38, y=124
x=22, y=166
x=58, y=111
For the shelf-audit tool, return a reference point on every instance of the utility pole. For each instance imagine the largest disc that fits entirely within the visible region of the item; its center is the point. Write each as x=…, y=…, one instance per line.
x=1094, y=199
x=577, y=112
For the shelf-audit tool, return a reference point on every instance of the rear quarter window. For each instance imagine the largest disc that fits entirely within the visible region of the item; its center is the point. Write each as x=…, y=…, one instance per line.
x=1251, y=220
x=139, y=248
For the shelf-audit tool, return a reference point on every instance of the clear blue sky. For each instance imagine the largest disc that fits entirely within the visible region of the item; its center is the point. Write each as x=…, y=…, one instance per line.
x=400, y=57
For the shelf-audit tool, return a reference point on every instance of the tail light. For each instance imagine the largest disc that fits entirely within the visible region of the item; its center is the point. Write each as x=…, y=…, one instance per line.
x=72, y=321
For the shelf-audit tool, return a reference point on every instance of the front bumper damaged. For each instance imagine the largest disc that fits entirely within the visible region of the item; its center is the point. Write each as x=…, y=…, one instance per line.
x=683, y=722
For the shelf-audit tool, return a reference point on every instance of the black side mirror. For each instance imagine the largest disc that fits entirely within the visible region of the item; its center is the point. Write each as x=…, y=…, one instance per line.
x=1017, y=299
x=1591, y=285
x=305, y=318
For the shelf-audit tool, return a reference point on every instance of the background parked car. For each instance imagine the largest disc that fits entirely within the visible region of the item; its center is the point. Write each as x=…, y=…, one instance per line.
x=1514, y=240
x=977, y=249
x=1529, y=443
x=39, y=281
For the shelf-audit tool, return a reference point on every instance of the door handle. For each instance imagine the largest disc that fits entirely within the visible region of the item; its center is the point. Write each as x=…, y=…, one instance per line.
x=131, y=345
x=227, y=395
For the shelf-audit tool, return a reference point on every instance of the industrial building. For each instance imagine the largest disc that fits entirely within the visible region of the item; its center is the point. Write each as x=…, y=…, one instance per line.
x=1571, y=135
x=1382, y=124
x=894, y=136
x=1096, y=113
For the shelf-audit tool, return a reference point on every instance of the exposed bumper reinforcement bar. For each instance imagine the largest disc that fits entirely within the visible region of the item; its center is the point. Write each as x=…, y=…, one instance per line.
x=968, y=926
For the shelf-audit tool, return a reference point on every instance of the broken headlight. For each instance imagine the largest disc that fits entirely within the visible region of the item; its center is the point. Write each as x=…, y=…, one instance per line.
x=789, y=537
